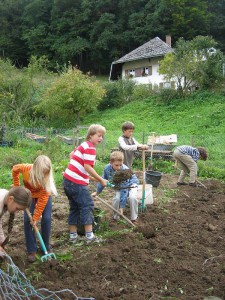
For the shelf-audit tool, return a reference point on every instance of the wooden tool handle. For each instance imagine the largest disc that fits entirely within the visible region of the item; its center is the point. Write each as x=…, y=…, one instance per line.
x=119, y=213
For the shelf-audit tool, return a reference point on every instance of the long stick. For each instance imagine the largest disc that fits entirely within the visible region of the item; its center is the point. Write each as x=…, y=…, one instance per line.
x=119, y=213
x=202, y=184
x=143, y=186
x=47, y=255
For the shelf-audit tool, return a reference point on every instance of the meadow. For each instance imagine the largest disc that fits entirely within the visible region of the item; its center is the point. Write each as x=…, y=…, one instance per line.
x=197, y=120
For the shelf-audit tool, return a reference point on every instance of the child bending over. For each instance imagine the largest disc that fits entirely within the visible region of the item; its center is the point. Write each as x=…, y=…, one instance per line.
x=127, y=190
x=14, y=200
x=187, y=157
x=38, y=178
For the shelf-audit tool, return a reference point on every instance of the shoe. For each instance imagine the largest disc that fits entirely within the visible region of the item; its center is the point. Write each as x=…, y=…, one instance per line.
x=135, y=222
x=31, y=257
x=193, y=184
x=94, y=240
x=181, y=183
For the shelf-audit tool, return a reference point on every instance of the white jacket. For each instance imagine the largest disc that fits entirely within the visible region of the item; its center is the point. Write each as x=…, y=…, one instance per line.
x=3, y=193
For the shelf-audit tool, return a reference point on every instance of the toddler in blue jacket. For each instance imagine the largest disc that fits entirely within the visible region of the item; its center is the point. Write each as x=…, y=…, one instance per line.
x=127, y=190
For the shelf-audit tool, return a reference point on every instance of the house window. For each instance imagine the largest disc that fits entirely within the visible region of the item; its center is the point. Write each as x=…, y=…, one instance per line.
x=131, y=73
x=139, y=72
x=167, y=85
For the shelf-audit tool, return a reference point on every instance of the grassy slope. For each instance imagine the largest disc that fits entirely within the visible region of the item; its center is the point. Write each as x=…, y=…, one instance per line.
x=201, y=115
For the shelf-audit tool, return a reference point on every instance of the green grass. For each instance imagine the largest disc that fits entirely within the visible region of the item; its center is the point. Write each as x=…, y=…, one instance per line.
x=198, y=119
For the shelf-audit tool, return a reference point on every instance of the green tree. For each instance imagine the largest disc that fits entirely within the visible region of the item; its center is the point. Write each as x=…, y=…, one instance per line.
x=194, y=63
x=11, y=44
x=19, y=89
x=70, y=96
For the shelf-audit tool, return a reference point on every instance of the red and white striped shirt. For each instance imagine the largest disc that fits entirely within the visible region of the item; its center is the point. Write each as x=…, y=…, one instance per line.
x=83, y=154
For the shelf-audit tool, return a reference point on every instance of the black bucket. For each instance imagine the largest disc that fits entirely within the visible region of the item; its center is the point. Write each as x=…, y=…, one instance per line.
x=153, y=178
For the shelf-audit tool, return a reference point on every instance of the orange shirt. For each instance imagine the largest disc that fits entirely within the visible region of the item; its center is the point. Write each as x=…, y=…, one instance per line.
x=37, y=192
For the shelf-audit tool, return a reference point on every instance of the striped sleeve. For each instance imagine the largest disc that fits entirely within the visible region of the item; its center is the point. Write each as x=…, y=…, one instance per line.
x=84, y=154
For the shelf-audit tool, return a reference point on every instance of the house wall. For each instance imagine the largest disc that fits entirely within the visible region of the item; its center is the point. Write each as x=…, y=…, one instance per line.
x=153, y=78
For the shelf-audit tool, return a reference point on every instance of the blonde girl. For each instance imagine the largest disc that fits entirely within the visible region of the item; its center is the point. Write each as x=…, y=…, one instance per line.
x=12, y=201
x=38, y=178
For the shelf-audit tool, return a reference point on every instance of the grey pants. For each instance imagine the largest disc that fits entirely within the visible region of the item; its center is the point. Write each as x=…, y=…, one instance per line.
x=188, y=165
x=132, y=201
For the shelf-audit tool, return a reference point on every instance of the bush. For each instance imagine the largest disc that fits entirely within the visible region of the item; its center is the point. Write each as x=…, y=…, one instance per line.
x=167, y=96
x=117, y=94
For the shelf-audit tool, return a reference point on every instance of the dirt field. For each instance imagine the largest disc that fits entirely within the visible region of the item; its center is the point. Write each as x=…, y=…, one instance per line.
x=177, y=251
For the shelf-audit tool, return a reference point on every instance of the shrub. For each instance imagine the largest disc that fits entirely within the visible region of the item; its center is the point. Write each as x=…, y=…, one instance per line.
x=117, y=94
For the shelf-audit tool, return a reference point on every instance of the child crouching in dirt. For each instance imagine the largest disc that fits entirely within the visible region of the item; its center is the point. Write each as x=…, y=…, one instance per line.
x=14, y=200
x=75, y=182
x=187, y=157
x=127, y=190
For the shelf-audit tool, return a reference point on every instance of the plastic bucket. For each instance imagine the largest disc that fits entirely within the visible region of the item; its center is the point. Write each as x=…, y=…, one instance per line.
x=153, y=177
x=148, y=194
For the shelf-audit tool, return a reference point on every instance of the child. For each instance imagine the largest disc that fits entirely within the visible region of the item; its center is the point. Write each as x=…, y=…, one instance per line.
x=14, y=200
x=128, y=189
x=128, y=144
x=38, y=178
x=76, y=180
x=188, y=156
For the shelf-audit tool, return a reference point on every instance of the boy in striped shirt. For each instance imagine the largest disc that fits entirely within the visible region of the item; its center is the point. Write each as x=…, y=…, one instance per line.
x=187, y=157
x=76, y=180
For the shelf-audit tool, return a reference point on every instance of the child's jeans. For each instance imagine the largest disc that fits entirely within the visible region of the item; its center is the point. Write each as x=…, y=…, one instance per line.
x=81, y=203
x=131, y=200
x=45, y=227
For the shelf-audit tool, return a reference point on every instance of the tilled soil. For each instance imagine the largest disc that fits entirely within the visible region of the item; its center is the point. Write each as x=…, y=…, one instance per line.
x=176, y=252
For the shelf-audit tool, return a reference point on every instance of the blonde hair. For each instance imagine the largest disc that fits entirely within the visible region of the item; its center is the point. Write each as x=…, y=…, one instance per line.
x=93, y=129
x=116, y=156
x=41, y=174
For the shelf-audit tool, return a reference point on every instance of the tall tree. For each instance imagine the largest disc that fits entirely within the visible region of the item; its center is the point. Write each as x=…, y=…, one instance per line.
x=194, y=63
x=11, y=44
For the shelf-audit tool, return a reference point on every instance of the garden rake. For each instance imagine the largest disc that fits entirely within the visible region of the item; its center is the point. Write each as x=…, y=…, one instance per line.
x=150, y=166
x=47, y=256
x=15, y=286
x=115, y=210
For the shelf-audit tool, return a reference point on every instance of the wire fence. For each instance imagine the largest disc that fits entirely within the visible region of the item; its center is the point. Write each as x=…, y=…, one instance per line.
x=14, y=285
x=74, y=136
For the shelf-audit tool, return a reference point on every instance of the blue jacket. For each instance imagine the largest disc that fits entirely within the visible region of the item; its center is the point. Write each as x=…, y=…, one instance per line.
x=108, y=175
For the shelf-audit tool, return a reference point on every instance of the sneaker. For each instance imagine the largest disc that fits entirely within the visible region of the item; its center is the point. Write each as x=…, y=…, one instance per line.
x=31, y=257
x=194, y=184
x=135, y=222
x=94, y=240
x=181, y=183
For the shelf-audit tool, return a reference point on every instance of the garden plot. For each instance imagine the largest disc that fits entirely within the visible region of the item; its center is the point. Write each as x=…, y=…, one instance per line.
x=180, y=256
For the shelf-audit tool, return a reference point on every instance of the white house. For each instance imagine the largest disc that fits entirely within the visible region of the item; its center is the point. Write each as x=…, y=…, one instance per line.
x=142, y=63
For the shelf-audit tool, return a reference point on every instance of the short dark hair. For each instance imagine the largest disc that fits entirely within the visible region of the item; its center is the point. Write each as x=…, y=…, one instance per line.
x=127, y=125
x=203, y=153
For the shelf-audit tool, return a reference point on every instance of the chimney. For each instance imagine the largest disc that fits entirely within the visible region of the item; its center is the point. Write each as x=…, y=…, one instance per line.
x=168, y=40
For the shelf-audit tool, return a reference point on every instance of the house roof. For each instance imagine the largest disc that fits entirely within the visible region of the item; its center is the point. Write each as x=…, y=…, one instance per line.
x=153, y=48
